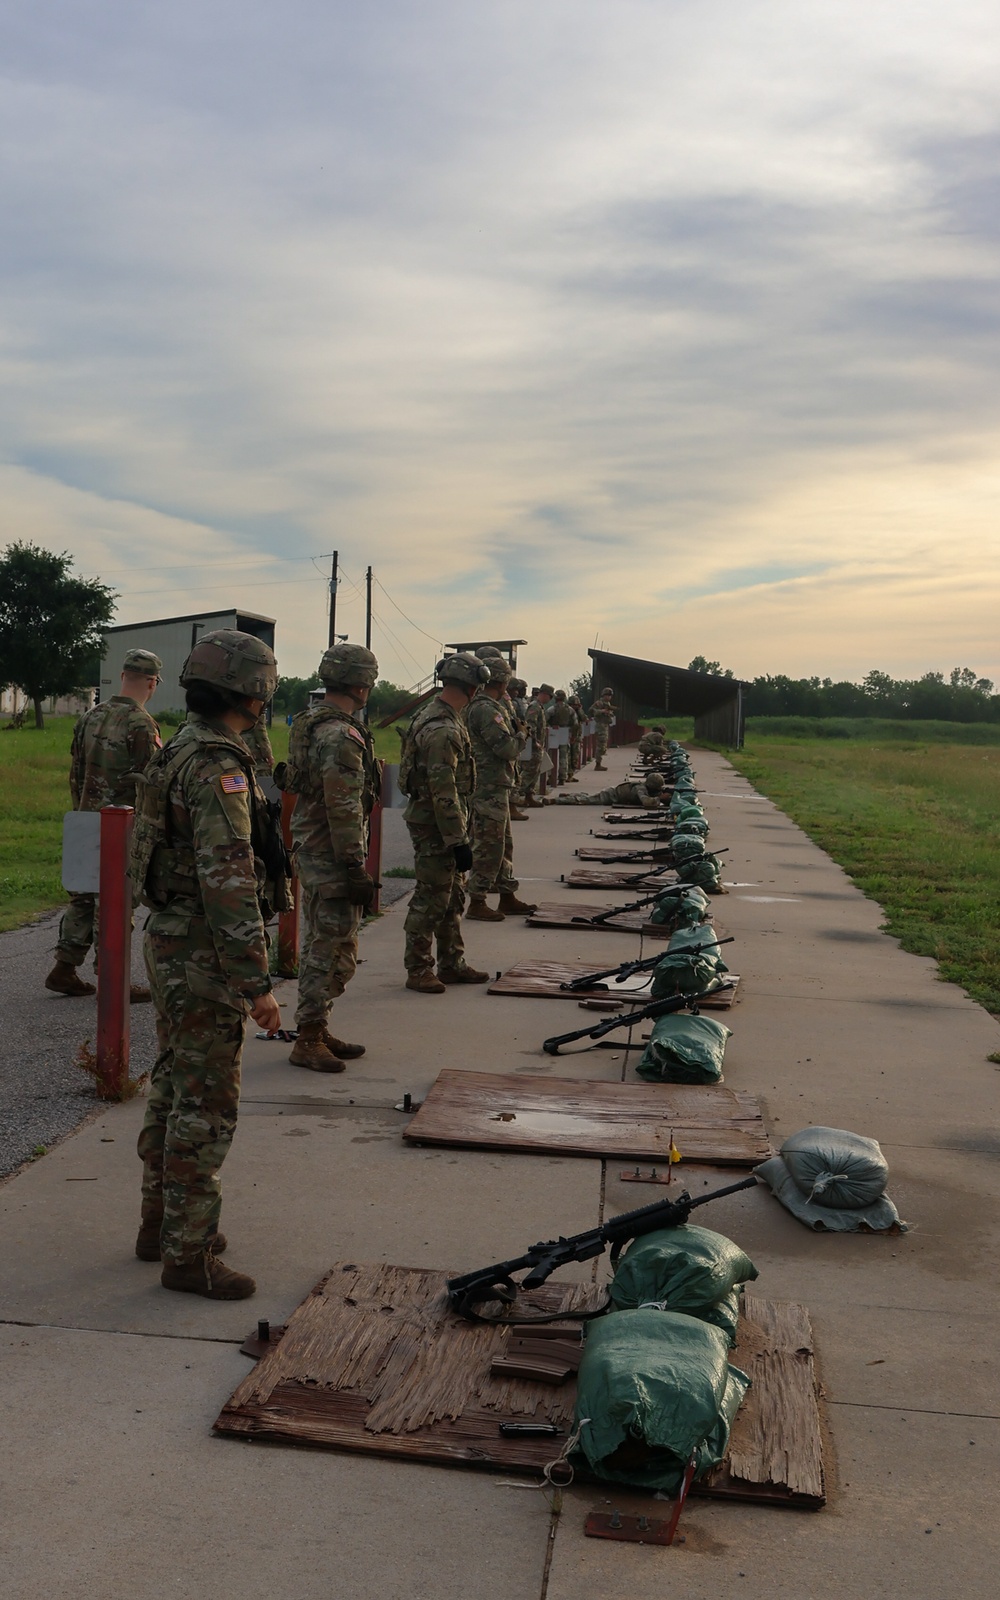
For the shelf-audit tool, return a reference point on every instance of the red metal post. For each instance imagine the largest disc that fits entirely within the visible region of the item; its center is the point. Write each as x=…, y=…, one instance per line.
x=373, y=861
x=288, y=921
x=114, y=952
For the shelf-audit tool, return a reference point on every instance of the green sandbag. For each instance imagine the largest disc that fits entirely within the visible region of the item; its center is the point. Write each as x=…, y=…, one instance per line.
x=689, y=1269
x=706, y=873
x=687, y=846
x=684, y=1049
x=685, y=910
x=655, y=1388
x=835, y=1167
x=687, y=968
x=879, y=1217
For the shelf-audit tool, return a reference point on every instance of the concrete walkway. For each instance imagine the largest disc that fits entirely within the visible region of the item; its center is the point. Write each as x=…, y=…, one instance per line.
x=112, y=1485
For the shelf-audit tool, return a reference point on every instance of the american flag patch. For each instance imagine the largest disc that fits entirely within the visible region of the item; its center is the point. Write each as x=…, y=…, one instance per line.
x=233, y=783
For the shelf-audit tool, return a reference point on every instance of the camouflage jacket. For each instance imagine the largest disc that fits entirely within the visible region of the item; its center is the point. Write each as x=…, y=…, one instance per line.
x=337, y=785
x=112, y=744
x=630, y=794
x=193, y=854
x=559, y=714
x=652, y=744
x=495, y=744
x=439, y=772
x=258, y=742
x=603, y=711
x=537, y=725
x=576, y=726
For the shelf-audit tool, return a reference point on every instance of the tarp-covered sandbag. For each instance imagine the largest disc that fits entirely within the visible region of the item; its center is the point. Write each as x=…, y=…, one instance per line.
x=685, y=846
x=689, y=1269
x=654, y=1389
x=706, y=872
x=684, y=1049
x=691, y=965
x=833, y=1181
x=686, y=909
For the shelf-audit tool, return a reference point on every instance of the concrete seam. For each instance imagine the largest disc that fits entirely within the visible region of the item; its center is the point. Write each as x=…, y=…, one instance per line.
x=118, y=1333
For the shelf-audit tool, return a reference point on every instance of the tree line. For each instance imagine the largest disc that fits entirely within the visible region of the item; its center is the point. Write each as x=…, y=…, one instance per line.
x=962, y=696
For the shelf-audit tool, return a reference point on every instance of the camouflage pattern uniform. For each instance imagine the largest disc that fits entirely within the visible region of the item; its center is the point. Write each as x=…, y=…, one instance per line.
x=652, y=745
x=112, y=744
x=337, y=787
x=560, y=715
x=206, y=955
x=575, y=735
x=438, y=752
x=258, y=742
x=538, y=734
x=495, y=748
x=620, y=794
x=602, y=712
x=517, y=708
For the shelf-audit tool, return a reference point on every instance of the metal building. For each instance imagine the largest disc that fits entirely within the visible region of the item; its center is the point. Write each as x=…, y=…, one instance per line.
x=717, y=704
x=172, y=638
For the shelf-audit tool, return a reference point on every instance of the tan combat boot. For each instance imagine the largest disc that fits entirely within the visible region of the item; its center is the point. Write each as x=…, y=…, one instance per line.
x=340, y=1047
x=206, y=1275
x=462, y=975
x=64, y=979
x=600, y=767
x=425, y=983
x=311, y=1050
x=516, y=815
x=138, y=994
x=479, y=911
x=511, y=906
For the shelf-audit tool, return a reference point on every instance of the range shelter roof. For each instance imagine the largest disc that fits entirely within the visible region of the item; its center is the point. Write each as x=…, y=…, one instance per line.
x=655, y=683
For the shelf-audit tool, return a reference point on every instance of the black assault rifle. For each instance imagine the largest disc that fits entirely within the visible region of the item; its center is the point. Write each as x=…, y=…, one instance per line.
x=626, y=969
x=655, y=1008
x=660, y=855
x=546, y=1257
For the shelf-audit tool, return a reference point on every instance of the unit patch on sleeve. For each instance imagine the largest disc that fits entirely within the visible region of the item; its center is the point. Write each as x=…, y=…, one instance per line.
x=233, y=783
x=356, y=735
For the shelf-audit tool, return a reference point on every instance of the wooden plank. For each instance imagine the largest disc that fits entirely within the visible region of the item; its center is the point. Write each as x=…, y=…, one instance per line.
x=564, y=1116
x=374, y=1362
x=540, y=980
x=608, y=852
x=623, y=879
x=563, y=916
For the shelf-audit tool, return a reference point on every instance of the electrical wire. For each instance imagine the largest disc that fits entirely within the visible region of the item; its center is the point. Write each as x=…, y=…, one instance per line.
x=436, y=642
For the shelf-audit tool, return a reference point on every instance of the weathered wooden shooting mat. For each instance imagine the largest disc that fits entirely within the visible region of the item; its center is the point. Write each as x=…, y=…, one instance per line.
x=564, y=916
x=540, y=980
x=374, y=1361
x=626, y=878
x=566, y=1116
x=608, y=852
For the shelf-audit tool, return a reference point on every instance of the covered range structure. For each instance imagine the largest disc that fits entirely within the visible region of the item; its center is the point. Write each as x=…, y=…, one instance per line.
x=640, y=687
x=172, y=639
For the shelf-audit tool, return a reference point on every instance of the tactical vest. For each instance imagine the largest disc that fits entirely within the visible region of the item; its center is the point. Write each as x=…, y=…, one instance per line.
x=297, y=777
x=163, y=867
x=409, y=759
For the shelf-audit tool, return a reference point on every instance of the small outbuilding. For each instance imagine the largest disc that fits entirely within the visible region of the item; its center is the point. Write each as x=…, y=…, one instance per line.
x=172, y=639
x=652, y=687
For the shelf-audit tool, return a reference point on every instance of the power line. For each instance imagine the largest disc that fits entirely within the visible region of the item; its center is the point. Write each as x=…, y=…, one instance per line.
x=392, y=602
x=198, y=564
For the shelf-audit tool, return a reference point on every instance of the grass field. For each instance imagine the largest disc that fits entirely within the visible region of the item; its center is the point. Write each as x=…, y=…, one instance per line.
x=34, y=794
x=915, y=825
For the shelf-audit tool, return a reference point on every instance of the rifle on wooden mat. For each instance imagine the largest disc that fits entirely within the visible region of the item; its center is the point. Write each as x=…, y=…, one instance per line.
x=592, y=980
x=635, y=856
x=618, y=911
x=655, y=1008
x=546, y=1257
x=658, y=836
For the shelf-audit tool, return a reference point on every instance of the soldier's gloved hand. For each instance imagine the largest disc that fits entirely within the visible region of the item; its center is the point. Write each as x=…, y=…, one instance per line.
x=463, y=857
x=360, y=886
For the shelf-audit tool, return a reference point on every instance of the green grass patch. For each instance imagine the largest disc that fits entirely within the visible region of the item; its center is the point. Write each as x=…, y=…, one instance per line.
x=875, y=730
x=915, y=826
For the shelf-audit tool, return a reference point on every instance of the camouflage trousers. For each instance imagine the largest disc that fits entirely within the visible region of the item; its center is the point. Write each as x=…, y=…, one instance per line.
x=574, y=755
x=436, y=906
x=530, y=773
x=601, y=740
x=195, y=1085
x=328, y=952
x=561, y=757
x=78, y=930
x=492, y=849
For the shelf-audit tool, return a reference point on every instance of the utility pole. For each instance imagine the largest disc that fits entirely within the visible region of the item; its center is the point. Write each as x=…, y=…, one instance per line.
x=368, y=609
x=333, y=601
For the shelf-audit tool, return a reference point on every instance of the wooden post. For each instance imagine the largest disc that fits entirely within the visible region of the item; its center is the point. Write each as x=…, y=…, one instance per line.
x=114, y=952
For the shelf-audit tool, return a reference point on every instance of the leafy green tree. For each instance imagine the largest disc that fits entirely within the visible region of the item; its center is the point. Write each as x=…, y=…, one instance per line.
x=292, y=694
x=51, y=623
x=714, y=670
x=584, y=687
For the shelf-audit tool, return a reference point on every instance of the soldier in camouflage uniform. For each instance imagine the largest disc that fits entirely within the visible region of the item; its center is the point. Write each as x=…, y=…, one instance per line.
x=560, y=715
x=258, y=742
x=201, y=840
x=576, y=736
x=538, y=732
x=653, y=745
x=602, y=712
x=333, y=770
x=437, y=772
x=517, y=708
x=495, y=749
x=111, y=745
x=648, y=794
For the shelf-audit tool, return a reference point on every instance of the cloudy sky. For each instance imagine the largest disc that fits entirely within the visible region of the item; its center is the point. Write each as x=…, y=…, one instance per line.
x=668, y=323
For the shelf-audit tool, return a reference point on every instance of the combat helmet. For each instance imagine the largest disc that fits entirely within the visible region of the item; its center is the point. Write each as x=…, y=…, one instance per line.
x=346, y=666
x=237, y=665
x=463, y=668
x=500, y=669
x=655, y=782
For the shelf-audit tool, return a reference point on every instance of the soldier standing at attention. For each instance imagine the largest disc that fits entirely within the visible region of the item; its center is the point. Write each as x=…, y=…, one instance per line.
x=111, y=745
x=436, y=771
x=560, y=715
x=333, y=770
x=258, y=742
x=602, y=712
x=495, y=749
x=202, y=838
x=575, y=737
x=517, y=706
x=538, y=730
